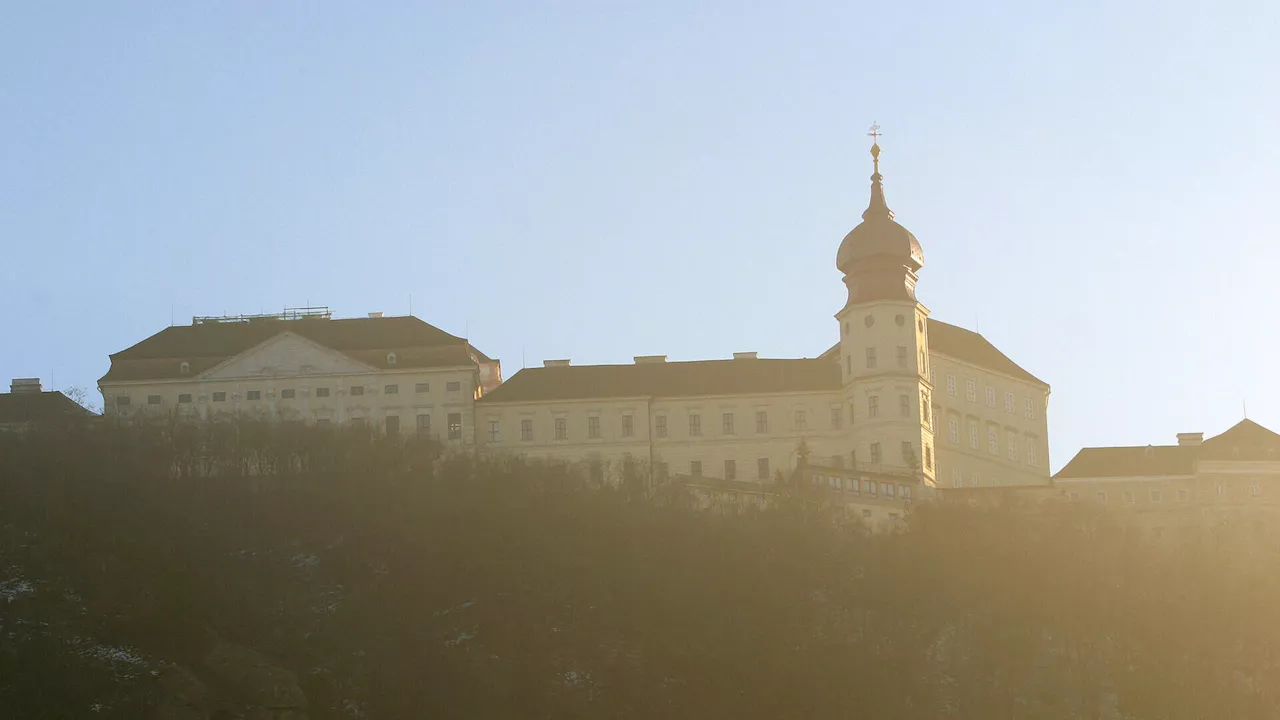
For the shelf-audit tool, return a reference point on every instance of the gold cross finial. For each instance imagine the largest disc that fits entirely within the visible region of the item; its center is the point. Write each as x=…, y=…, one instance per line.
x=874, y=133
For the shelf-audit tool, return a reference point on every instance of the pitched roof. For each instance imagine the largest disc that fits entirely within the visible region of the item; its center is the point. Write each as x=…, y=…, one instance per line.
x=204, y=345
x=964, y=345
x=668, y=379
x=971, y=347
x=1149, y=461
x=1246, y=440
x=37, y=407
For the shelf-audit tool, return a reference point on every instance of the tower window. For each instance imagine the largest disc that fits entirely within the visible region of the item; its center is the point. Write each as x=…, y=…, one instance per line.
x=802, y=420
x=873, y=406
x=730, y=469
x=1008, y=402
x=628, y=427
x=875, y=452
x=928, y=457
x=902, y=356
x=951, y=385
x=971, y=391
x=391, y=358
x=762, y=421
x=991, y=396
x=973, y=436
x=871, y=357
x=975, y=479
x=904, y=406
x=1013, y=447
x=1029, y=409
x=526, y=428
x=953, y=426
x=593, y=427
x=837, y=418
x=1031, y=451
x=562, y=428
x=695, y=424
x=184, y=368
x=957, y=477
x=908, y=453
x=993, y=443
x=660, y=426
x=762, y=468
x=726, y=423
x=494, y=431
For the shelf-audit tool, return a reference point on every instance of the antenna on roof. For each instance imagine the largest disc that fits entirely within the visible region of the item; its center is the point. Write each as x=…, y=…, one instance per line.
x=1244, y=407
x=522, y=365
x=411, y=303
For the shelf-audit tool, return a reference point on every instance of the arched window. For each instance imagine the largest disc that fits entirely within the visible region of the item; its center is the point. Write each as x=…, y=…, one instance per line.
x=391, y=358
x=184, y=368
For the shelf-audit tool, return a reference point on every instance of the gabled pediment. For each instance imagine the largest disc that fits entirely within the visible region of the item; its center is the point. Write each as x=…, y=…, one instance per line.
x=286, y=355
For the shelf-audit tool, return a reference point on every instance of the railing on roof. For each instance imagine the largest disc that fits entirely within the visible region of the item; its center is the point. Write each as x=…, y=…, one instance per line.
x=315, y=312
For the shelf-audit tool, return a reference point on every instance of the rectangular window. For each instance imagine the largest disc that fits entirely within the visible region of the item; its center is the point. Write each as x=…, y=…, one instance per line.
x=562, y=428
x=762, y=469
x=991, y=396
x=390, y=389
x=973, y=436
x=951, y=385
x=889, y=489
x=359, y=422
x=902, y=356
x=1221, y=490
x=975, y=479
x=1255, y=490
x=695, y=424
x=993, y=443
x=628, y=428
x=422, y=387
x=953, y=428
x=726, y=423
x=802, y=420
x=322, y=392
x=660, y=426
x=455, y=426
x=323, y=422
x=873, y=406
x=393, y=424
x=1013, y=446
x=908, y=453
x=1156, y=496
x=153, y=399
x=424, y=424
x=1102, y=498
x=253, y=395
x=1127, y=497
x=1183, y=495
x=837, y=418
x=762, y=421
x=904, y=492
x=454, y=386
x=971, y=391
x=526, y=429
x=871, y=357
x=1029, y=409
x=220, y=397
x=870, y=487
x=695, y=468
x=357, y=390
x=122, y=401
x=184, y=398
x=494, y=431
x=288, y=394
x=1031, y=451
x=593, y=427
x=957, y=477
x=1008, y=403
x=904, y=406
x=875, y=452
x=730, y=469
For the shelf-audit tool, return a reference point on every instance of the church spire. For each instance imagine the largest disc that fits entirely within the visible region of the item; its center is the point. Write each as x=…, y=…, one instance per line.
x=877, y=208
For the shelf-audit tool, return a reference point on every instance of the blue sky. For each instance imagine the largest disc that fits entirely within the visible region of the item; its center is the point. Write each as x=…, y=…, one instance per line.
x=1094, y=184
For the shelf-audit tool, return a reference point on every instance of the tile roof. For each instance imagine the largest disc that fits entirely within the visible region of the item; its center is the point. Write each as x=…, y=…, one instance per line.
x=668, y=379
x=971, y=347
x=204, y=345
x=1245, y=441
x=33, y=407
x=1149, y=461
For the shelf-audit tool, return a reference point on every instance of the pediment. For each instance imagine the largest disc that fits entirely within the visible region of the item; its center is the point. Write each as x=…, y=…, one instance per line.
x=286, y=355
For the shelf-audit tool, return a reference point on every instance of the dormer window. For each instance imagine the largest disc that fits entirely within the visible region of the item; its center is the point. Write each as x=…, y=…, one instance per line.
x=391, y=358
x=184, y=368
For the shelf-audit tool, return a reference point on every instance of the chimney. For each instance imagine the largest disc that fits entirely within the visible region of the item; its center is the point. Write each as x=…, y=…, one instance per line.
x=649, y=359
x=25, y=385
x=555, y=363
x=375, y=314
x=1185, y=439
x=745, y=355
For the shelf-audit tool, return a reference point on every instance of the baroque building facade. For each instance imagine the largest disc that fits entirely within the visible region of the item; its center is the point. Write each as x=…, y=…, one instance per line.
x=900, y=404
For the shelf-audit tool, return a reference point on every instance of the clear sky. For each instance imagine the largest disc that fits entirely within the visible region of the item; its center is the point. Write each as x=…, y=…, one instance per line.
x=1096, y=185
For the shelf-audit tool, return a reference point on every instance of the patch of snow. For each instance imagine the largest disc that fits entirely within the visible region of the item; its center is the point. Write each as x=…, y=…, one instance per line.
x=11, y=590
x=462, y=637
x=575, y=678
x=305, y=561
x=114, y=655
x=455, y=608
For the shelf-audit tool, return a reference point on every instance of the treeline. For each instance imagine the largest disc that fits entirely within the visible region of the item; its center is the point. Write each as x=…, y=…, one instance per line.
x=397, y=582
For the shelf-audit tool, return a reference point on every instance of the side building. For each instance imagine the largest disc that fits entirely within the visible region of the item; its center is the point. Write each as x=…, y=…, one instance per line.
x=398, y=374
x=1232, y=478
x=901, y=399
